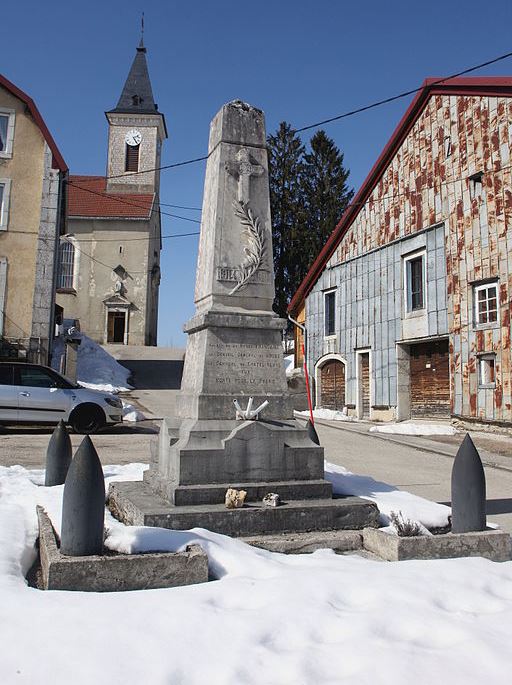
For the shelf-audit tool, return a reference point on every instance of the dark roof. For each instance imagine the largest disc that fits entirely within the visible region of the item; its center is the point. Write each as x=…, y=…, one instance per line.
x=137, y=95
x=497, y=86
x=87, y=197
x=57, y=161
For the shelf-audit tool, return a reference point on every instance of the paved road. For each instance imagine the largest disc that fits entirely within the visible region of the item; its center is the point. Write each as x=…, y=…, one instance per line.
x=409, y=467
x=156, y=375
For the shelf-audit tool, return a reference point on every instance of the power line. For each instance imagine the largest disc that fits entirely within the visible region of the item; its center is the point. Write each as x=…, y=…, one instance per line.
x=401, y=95
x=129, y=240
x=334, y=118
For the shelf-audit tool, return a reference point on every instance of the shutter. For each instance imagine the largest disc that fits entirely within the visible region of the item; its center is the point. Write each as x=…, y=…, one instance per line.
x=3, y=285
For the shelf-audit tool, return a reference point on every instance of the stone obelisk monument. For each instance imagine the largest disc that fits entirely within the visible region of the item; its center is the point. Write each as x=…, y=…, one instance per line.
x=234, y=353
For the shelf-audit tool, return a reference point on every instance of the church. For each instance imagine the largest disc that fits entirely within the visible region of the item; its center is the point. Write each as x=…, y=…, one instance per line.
x=109, y=273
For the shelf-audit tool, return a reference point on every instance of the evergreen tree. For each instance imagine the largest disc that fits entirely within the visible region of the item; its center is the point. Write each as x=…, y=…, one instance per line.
x=325, y=190
x=285, y=153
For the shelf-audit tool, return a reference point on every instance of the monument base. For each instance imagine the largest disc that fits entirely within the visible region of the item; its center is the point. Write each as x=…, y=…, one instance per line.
x=135, y=503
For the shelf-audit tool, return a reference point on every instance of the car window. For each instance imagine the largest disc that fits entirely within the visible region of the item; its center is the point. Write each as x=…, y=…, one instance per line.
x=6, y=374
x=36, y=378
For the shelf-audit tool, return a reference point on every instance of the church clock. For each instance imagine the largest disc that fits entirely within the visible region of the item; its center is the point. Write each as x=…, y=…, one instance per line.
x=133, y=137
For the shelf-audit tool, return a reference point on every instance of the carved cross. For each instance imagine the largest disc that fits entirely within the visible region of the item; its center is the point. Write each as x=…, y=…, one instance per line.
x=245, y=169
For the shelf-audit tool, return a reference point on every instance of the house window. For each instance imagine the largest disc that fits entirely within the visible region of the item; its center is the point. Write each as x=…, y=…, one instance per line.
x=415, y=282
x=132, y=158
x=447, y=146
x=6, y=132
x=329, y=312
x=486, y=304
x=66, y=277
x=5, y=185
x=487, y=370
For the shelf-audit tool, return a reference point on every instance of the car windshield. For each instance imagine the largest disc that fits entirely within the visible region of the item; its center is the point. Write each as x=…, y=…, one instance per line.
x=66, y=382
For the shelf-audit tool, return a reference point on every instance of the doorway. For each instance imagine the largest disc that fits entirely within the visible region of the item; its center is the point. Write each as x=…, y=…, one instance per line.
x=430, y=379
x=116, y=327
x=363, y=384
x=332, y=385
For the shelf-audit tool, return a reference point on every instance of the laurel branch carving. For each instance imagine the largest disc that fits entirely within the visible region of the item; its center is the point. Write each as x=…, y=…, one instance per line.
x=255, y=249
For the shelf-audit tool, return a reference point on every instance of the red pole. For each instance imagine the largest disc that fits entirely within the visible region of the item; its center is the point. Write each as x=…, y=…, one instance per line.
x=312, y=418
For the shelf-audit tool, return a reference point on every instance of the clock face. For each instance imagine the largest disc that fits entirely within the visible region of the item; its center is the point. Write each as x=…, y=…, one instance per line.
x=133, y=137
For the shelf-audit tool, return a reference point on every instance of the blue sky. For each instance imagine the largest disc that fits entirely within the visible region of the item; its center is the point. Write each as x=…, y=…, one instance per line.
x=298, y=61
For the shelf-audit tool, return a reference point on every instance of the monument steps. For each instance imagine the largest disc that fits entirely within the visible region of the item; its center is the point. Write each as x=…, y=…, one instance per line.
x=137, y=504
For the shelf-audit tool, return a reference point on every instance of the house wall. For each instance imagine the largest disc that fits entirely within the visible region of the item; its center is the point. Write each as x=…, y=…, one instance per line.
x=370, y=313
x=426, y=184
x=97, y=253
x=27, y=245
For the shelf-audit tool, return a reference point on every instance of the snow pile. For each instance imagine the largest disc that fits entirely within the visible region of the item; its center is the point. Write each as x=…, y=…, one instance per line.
x=289, y=361
x=388, y=498
x=415, y=429
x=270, y=618
x=96, y=368
x=327, y=415
x=131, y=413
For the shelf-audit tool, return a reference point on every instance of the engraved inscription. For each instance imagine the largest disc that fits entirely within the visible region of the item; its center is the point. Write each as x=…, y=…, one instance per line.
x=233, y=275
x=245, y=365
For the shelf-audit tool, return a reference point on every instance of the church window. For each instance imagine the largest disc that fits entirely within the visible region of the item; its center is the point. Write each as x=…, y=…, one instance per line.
x=66, y=274
x=132, y=158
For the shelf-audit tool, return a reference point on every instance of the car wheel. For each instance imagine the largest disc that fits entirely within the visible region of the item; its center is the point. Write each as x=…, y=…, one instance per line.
x=87, y=418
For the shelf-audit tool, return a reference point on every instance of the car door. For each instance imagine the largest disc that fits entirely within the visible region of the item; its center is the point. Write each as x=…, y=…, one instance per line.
x=8, y=394
x=40, y=398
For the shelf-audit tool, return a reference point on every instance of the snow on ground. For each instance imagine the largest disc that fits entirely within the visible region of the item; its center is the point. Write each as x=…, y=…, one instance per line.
x=289, y=360
x=415, y=429
x=96, y=368
x=327, y=415
x=388, y=498
x=317, y=619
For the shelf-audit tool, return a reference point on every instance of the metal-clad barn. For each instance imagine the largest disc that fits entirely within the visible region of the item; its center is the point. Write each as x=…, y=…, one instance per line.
x=407, y=306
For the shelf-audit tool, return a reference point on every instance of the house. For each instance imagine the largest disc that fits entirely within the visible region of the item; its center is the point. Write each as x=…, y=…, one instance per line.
x=32, y=218
x=110, y=260
x=407, y=306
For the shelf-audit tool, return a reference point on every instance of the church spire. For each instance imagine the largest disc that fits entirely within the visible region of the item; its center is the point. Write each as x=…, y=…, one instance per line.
x=137, y=94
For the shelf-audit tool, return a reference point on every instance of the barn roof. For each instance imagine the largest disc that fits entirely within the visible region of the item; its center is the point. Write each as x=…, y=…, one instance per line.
x=483, y=86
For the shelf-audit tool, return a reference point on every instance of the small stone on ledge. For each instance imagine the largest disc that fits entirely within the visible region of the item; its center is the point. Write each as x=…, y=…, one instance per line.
x=235, y=498
x=272, y=499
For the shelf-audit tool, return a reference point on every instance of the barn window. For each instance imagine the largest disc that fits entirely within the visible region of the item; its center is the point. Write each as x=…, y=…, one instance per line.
x=486, y=304
x=487, y=370
x=414, y=273
x=476, y=185
x=330, y=312
x=132, y=158
x=66, y=276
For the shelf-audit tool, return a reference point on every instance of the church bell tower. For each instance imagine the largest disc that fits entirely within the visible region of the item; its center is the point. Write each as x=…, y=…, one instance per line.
x=136, y=133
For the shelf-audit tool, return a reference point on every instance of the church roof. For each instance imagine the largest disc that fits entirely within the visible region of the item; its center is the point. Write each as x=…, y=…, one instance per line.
x=87, y=197
x=137, y=94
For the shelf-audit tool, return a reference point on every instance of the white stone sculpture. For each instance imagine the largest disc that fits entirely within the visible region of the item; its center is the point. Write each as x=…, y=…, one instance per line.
x=249, y=414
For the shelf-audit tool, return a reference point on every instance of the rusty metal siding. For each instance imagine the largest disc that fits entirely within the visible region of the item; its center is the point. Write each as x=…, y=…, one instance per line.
x=423, y=186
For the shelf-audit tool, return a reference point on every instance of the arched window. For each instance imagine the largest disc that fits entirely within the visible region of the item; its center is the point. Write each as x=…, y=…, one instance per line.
x=65, y=280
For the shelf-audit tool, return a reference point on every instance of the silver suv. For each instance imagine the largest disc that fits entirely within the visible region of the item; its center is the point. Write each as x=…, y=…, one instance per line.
x=30, y=393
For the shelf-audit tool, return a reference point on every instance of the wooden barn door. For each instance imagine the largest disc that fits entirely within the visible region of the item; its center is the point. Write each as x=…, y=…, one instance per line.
x=364, y=385
x=430, y=379
x=332, y=385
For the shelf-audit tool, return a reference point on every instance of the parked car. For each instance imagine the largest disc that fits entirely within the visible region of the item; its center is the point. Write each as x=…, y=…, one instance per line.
x=30, y=393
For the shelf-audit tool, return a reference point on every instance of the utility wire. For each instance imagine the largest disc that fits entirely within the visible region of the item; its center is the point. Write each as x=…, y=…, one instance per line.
x=361, y=203
x=337, y=117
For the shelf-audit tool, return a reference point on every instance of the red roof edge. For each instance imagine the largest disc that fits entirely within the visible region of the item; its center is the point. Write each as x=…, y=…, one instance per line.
x=57, y=159
x=482, y=85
